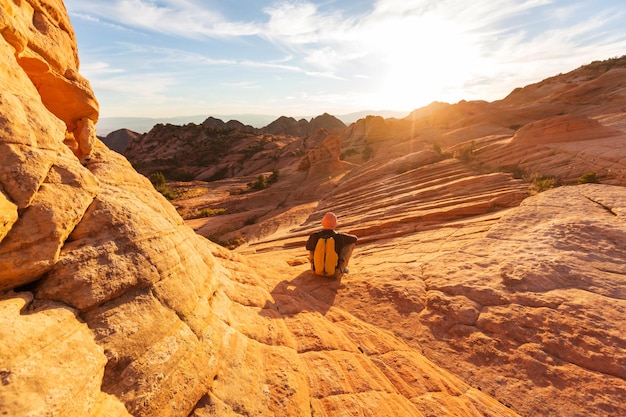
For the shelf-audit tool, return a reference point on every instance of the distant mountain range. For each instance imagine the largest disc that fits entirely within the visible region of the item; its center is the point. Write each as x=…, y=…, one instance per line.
x=107, y=125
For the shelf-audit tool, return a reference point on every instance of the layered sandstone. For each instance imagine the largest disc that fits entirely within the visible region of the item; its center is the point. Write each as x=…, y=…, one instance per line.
x=465, y=297
x=112, y=306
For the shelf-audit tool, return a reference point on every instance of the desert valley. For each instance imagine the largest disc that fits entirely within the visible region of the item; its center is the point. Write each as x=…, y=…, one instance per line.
x=165, y=274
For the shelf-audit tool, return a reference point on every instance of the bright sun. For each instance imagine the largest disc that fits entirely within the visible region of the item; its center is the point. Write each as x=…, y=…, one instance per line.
x=423, y=60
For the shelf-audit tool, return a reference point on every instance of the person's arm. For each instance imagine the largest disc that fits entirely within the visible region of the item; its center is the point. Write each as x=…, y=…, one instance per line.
x=348, y=239
x=310, y=244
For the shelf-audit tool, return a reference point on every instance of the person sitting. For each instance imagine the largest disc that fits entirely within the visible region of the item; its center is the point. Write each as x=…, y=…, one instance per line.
x=329, y=251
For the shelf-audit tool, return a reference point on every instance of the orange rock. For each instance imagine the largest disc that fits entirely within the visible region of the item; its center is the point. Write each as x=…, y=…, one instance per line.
x=50, y=363
x=461, y=300
x=562, y=129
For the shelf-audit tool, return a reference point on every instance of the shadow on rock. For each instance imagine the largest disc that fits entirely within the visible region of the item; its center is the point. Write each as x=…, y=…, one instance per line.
x=306, y=292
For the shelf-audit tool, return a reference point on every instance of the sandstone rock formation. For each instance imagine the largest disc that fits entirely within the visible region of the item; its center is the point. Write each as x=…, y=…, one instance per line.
x=289, y=126
x=215, y=150
x=233, y=124
x=118, y=140
x=41, y=40
x=508, y=291
x=465, y=298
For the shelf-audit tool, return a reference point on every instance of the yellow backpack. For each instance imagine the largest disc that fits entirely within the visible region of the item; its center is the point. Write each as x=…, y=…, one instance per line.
x=325, y=259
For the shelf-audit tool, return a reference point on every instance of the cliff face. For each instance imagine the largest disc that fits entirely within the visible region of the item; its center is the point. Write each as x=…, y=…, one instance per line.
x=83, y=244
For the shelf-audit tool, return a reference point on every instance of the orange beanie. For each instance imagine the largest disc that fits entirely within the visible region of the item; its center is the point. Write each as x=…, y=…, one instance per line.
x=329, y=221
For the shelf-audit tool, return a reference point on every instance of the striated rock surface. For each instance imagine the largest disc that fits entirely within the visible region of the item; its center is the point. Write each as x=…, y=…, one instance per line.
x=48, y=357
x=465, y=297
x=527, y=305
x=112, y=306
x=522, y=297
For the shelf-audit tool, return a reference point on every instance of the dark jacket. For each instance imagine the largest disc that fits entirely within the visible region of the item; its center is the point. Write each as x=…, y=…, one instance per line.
x=341, y=239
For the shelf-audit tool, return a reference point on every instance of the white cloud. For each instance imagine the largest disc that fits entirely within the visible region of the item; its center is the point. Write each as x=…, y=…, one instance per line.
x=95, y=69
x=243, y=85
x=410, y=51
x=180, y=18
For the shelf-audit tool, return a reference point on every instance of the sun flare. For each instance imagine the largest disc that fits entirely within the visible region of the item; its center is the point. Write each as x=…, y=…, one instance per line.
x=422, y=59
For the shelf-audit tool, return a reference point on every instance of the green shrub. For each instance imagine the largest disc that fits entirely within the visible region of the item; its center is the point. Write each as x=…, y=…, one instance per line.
x=158, y=181
x=260, y=183
x=209, y=212
x=589, y=178
x=540, y=183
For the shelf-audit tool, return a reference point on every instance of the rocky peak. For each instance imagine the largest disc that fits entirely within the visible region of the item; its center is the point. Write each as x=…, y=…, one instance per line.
x=302, y=128
x=119, y=140
x=213, y=121
x=327, y=122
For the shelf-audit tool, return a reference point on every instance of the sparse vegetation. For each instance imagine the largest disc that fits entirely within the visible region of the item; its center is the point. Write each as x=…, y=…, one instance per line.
x=262, y=182
x=540, y=183
x=437, y=148
x=589, y=178
x=249, y=151
x=208, y=212
x=259, y=184
x=273, y=176
x=160, y=184
x=603, y=66
x=157, y=179
x=466, y=153
x=185, y=192
x=230, y=243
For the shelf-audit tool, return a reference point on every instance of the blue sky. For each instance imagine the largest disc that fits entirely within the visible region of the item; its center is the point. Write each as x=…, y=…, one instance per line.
x=187, y=57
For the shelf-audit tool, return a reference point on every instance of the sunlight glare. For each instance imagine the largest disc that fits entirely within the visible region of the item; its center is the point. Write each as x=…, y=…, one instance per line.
x=423, y=59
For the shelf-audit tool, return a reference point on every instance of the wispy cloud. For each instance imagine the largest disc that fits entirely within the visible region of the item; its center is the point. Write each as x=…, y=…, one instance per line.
x=95, y=69
x=186, y=19
x=243, y=85
x=418, y=49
